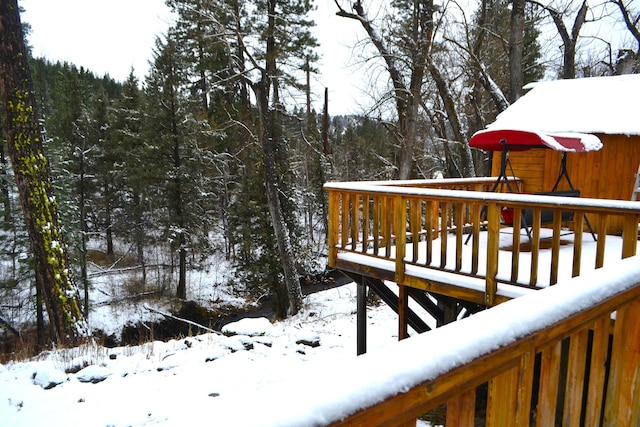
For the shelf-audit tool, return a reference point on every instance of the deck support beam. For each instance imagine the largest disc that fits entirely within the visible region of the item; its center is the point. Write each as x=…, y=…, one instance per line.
x=361, y=316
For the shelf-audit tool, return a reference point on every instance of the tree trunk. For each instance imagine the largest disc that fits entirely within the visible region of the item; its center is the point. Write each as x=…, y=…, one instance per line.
x=516, y=45
x=285, y=249
x=31, y=170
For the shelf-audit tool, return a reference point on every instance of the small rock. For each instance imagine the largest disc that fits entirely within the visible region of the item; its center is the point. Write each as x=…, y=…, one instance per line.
x=93, y=374
x=48, y=377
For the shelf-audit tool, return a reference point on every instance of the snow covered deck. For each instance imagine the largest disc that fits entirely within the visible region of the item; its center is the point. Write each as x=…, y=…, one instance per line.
x=396, y=231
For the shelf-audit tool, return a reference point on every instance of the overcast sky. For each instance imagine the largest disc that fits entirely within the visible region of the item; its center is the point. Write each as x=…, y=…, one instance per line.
x=112, y=36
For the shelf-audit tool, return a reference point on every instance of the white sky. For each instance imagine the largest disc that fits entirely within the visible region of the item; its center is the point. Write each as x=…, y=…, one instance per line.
x=112, y=36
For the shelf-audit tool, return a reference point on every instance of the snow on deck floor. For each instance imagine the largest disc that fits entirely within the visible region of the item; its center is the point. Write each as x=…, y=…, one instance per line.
x=505, y=255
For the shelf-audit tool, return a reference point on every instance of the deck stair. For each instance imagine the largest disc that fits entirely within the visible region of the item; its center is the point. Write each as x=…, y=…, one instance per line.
x=441, y=308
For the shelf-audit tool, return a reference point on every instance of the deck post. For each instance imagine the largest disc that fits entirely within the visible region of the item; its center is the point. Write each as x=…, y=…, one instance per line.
x=361, y=316
x=403, y=305
x=493, y=246
x=333, y=223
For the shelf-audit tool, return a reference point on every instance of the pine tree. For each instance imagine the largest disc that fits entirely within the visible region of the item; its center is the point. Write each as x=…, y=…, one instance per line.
x=127, y=152
x=178, y=157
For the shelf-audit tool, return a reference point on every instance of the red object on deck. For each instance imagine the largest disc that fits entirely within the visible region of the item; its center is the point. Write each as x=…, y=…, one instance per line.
x=519, y=140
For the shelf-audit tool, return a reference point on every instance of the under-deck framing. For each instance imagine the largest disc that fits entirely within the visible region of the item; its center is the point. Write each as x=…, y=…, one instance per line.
x=415, y=233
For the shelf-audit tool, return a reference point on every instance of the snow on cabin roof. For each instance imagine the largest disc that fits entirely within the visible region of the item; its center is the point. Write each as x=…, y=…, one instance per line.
x=606, y=105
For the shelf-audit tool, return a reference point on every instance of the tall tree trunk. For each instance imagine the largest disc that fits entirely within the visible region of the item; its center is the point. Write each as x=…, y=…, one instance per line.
x=31, y=170
x=285, y=249
x=268, y=143
x=516, y=46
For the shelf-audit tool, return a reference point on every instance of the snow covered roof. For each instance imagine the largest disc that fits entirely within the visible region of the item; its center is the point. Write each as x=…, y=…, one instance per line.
x=607, y=105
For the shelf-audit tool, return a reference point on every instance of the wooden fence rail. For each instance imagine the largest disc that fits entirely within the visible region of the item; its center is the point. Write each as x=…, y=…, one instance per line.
x=417, y=235
x=581, y=370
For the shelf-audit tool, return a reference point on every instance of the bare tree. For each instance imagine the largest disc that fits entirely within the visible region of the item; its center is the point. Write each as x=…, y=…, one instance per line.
x=407, y=91
x=569, y=37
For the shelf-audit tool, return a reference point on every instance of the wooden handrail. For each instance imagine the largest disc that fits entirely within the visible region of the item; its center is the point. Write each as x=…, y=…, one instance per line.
x=565, y=355
x=406, y=224
x=556, y=373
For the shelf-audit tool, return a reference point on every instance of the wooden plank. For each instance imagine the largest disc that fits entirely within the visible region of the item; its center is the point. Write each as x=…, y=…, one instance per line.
x=578, y=221
x=403, y=306
x=515, y=251
x=461, y=409
x=548, y=393
x=365, y=222
x=535, y=247
x=429, y=223
x=332, y=223
x=475, y=243
x=602, y=239
x=444, y=220
x=355, y=220
x=493, y=247
x=555, y=247
x=524, y=390
x=459, y=218
x=629, y=236
x=595, y=389
x=376, y=224
x=501, y=399
x=577, y=362
x=400, y=220
x=625, y=369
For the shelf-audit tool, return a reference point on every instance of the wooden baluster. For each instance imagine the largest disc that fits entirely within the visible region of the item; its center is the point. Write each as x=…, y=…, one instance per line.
x=602, y=239
x=376, y=225
x=501, y=399
x=548, y=393
x=400, y=227
x=459, y=224
x=461, y=409
x=555, y=247
x=416, y=226
x=578, y=228
x=624, y=377
x=344, y=223
x=525, y=389
x=535, y=247
x=629, y=235
x=355, y=220
x=493, y=247
x=387, y=214
x=599, y=353
x=333, y=221
x=429, y=225
x=515, y=244
x=365, y=223
x=575, y=378
x=444, y=221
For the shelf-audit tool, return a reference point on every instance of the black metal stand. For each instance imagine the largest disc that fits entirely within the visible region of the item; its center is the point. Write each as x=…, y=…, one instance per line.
x=565, y=174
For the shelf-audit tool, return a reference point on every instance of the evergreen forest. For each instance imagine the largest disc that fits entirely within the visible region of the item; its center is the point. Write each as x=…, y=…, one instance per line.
x=216, y=157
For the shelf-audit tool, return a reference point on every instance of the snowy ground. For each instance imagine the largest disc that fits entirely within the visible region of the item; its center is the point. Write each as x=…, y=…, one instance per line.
x=159, y=383
x=177, y=382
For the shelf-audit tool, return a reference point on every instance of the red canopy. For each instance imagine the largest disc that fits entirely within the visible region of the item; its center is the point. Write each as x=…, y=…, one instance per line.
x=518, y=140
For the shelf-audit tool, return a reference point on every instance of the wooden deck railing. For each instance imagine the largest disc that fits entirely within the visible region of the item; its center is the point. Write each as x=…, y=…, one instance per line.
x=400, y=227
x=580, y=370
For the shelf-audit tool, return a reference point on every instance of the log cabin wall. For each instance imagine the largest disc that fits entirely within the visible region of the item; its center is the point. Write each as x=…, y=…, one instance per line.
x=605, y=174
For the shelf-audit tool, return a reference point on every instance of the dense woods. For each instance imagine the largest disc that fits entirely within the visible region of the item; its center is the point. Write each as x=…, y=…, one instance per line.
x=216, y=155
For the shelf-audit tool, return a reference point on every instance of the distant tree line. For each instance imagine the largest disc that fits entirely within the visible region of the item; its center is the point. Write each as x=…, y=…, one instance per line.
x=217, y=152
